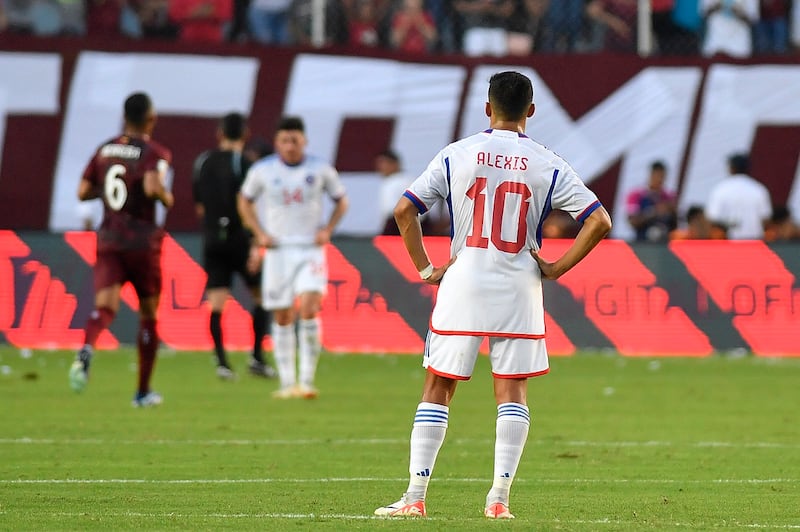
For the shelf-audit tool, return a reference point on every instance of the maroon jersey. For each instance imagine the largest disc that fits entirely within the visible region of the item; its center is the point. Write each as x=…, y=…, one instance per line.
x=117, y=171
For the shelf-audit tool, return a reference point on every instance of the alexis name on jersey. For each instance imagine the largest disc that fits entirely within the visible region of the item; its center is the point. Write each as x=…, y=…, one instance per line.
x=503, y=162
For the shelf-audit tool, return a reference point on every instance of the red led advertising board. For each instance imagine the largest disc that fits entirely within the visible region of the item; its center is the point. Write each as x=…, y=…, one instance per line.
x=690, y=298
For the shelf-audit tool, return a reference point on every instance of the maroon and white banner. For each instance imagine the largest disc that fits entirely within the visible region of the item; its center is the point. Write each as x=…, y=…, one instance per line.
x=610, y=116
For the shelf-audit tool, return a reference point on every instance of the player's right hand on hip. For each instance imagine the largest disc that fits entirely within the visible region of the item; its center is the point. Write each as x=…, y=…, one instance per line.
x=438, y=273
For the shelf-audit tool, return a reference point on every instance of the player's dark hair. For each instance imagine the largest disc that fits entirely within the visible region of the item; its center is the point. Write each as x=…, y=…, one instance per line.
x=137, y=106
x=510, y=94
x=780, y=213
x=739, y=163
x=695, y=211
x=390, y=154
x=233, y=126
x=658, y=165
x=291, y=123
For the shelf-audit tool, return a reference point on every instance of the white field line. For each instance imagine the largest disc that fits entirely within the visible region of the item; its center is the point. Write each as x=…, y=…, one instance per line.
x=332, y=480
x=392, y=441
x=267, y=515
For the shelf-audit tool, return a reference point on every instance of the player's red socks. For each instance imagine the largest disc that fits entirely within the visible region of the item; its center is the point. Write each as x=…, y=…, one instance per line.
x=147, y=342
x=98, y=321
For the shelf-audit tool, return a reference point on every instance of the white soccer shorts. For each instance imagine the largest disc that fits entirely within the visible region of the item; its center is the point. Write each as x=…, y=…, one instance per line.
x=290, y=271
x=454, y=356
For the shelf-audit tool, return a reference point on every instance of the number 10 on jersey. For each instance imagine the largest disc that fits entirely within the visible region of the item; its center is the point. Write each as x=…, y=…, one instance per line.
x=477, y=193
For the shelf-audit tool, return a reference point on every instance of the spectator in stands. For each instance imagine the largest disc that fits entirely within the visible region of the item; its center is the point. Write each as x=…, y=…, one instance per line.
x=563, y=26
x=269, y=21
x=201, y=20
x=46, y=18
x=739, y=205
x=413, y=28
x=652, y=210
x=15, y=16
x=363, y=24
x=72, y=15
x=301, y=15
x=103, y=17
x=729, y=27
x=686, y=15
x=796, y=23
x=781, y=225
x=110, y=18
x=443, y=15
x=771, y=32
x=664, y=27
x=3, y=18
x=675, y=25
x=239, y=29
x=696, y=227
x=484, y=23
x=525, y=25
x=618, y=18
x=393, y=183
x=53, y=17
x=155, y=21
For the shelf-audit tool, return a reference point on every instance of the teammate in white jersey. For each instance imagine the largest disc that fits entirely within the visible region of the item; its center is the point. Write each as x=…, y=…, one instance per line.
x=499, y=186
x=290, y=186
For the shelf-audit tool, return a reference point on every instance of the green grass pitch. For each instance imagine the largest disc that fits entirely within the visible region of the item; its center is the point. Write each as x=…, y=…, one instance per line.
x=616, y=444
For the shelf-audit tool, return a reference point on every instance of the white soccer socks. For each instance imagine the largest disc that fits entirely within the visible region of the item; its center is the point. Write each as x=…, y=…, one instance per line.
x=513, y=422
x=427, y=436
x=283, y=340
x=308, y=332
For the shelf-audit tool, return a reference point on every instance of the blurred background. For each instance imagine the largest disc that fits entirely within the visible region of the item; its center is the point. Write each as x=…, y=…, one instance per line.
x=472, y=27
x=650, y=101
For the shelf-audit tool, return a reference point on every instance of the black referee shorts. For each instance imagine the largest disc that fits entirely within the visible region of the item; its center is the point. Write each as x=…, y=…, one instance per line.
x=221, y=262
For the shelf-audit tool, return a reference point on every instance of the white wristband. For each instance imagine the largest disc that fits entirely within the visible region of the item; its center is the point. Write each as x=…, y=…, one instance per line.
x=426, y=272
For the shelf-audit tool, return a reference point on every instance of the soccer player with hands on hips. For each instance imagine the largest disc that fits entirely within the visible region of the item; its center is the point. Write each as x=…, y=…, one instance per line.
x=290, y=186
x=130, y=173
x=500, y=186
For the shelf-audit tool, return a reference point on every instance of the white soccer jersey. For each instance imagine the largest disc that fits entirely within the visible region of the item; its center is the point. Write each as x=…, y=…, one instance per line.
x=292, y=196
x=499, y=187
x=741, y=204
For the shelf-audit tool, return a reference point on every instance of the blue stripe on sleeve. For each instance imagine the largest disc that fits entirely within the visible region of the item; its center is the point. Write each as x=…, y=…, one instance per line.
x=416, y=201
x=589, y=210
x=548, y=207
x=449, y=198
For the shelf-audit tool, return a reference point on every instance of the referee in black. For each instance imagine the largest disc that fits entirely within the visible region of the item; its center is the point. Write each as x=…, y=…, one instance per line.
x=218, y=175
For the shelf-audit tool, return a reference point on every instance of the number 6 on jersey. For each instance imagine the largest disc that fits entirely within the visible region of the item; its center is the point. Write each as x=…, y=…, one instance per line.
x=114, y=189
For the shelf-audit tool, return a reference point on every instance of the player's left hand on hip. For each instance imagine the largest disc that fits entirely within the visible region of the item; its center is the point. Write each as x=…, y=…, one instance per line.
x=548, y=269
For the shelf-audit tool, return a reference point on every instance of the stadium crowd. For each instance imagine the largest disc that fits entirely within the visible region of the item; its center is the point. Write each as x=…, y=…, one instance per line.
x=739, y=28
x=739, y=207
